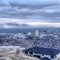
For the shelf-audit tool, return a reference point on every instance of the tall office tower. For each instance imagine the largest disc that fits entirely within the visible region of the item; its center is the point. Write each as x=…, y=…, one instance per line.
x=36, y=33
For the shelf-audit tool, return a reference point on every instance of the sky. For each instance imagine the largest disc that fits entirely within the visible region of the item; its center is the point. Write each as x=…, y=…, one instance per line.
x=13, y=13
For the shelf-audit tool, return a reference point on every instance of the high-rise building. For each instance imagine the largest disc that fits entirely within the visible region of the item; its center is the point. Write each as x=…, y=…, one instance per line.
x=36, y=33
x=29, y=33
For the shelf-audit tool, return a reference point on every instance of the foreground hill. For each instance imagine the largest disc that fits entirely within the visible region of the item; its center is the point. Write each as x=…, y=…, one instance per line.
x=8, y=55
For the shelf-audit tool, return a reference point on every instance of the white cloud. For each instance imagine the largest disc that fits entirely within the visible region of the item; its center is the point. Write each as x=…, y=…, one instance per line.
x=17, y=23
x=46, y=24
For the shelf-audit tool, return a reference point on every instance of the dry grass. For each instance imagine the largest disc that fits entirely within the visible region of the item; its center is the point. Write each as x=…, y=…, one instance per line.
x=15, y=56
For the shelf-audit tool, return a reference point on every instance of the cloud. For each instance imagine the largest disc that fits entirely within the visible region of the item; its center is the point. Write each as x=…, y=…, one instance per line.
x=44, y=24
x=26, y=13
x=13, y=23
x=47, y=10
x=29, y=25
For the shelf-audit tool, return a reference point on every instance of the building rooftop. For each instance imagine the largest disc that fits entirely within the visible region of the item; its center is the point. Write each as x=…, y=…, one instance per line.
x=41, y=50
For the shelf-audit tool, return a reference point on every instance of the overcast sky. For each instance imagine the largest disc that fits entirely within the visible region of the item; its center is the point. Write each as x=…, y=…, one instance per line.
x=15, y=11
